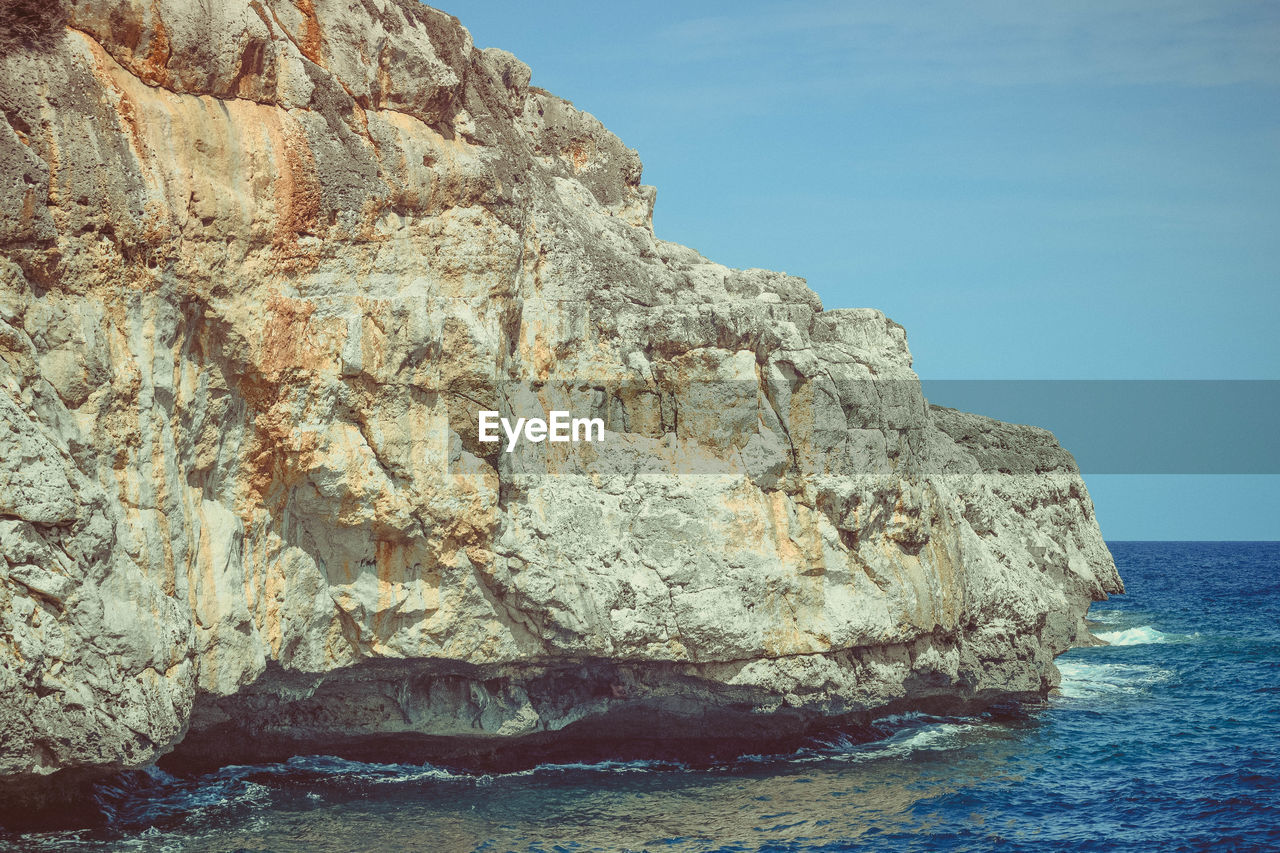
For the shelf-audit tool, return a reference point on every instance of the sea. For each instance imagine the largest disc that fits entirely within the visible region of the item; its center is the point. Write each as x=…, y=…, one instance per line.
x=1166, y=739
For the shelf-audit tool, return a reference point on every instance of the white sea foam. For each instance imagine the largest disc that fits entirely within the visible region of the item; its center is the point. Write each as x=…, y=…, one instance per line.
x=377, y=773
x=907, y=718
x=637, y=766
x=940, y=736
x=1141, y=636
x=1084, y=680
x=934, y=737
x=341, y=768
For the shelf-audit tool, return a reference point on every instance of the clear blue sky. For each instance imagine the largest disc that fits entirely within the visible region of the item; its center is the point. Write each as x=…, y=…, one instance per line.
x=1078, y=190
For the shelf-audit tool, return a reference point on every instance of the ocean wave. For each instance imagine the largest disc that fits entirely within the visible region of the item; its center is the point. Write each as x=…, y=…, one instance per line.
x=612, y=766
x=932, y=736
x=332, y=767
x=1085, y=679
x=1105, y=617
x=909, y=718
x=149, y=799
x=1140, y=636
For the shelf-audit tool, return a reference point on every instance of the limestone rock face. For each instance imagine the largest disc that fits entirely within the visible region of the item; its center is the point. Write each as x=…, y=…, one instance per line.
x=261, y=265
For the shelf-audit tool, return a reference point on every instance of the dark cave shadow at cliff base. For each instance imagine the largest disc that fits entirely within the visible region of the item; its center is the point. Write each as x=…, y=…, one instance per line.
x=112, y=806
x=63, y=800
x=641, y=733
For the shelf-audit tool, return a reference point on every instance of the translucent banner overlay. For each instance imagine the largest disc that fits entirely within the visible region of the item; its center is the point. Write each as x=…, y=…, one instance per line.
x=1137, y=426
x=830, y=426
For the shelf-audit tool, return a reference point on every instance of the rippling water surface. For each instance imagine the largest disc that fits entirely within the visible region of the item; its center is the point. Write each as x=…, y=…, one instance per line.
x=1167, y=739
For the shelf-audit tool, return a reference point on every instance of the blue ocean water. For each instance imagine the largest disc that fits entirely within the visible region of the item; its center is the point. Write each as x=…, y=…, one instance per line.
x=1168, y=739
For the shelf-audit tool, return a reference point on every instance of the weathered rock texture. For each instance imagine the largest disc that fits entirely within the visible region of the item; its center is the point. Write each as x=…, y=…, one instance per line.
x=264, y=261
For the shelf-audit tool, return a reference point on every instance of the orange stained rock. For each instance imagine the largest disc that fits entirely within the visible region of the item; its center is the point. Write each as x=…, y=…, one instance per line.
x=288, y=339
x=297, y=188
x=278, y=458
x=579, y=152
x=155, y=68
x=311, y=39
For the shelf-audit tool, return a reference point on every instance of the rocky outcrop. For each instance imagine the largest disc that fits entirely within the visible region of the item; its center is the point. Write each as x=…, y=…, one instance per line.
x=263, y=263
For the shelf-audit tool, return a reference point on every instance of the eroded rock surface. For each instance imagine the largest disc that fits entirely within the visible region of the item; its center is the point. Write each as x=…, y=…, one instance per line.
x=262, y=264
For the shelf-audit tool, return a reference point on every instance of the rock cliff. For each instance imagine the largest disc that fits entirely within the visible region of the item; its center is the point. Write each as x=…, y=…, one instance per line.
x=261, y=265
